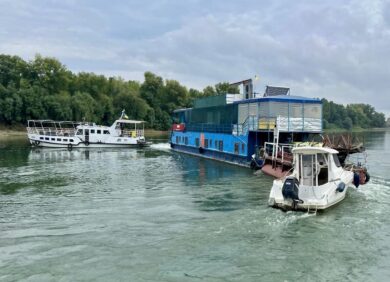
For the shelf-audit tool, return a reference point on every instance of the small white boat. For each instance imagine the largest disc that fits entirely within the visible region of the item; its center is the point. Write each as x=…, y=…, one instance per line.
x=317, y=181
x=67, y=134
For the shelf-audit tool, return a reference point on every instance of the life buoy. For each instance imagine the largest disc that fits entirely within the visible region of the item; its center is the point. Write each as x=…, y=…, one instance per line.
x=356, y=179
x=70, y=146
x=36, y=142
x=86, y=143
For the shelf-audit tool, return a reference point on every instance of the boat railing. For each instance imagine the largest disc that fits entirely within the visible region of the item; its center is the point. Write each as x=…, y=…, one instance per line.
x=279, y=151
x=51, y=131
x=206, y=127
x=133, y=133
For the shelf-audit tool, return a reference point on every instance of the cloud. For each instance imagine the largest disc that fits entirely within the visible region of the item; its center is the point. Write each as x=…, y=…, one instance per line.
x=332, y=49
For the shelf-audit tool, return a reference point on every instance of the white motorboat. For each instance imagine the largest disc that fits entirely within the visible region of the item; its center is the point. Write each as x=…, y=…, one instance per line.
x=60, y=134
x=317, y=181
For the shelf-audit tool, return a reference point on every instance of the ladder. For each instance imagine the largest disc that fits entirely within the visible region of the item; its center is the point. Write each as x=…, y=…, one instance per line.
x=276, y=139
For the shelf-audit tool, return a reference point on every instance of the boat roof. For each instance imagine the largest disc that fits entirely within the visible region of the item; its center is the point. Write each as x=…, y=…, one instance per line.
x=281, y=98
x=53, y=121
x=314, y=150
x=129, y=121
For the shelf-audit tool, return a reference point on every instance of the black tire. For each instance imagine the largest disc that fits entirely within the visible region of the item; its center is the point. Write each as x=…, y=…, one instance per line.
x=253, y=165
x=367, y=177
x=70, y=146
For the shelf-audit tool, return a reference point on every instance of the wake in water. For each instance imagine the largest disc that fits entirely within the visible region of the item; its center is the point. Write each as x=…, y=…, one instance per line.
x=161, y=146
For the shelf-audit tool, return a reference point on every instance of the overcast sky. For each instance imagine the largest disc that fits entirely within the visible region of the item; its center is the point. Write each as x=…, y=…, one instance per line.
x=336, y=49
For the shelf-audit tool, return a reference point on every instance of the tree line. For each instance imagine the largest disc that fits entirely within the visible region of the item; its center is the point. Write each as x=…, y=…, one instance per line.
x=44, y=88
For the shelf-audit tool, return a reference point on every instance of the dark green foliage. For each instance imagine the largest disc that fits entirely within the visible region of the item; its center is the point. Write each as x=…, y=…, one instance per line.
x=45, y=89
x=353, y=115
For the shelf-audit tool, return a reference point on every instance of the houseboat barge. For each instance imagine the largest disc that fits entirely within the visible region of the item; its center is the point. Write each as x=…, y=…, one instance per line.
x=235, y=127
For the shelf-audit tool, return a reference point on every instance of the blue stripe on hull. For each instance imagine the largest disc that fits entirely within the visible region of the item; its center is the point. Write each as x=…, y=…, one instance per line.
x=212, y=154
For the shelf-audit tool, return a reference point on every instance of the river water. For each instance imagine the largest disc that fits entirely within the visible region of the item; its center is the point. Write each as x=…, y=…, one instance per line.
x=155, y=215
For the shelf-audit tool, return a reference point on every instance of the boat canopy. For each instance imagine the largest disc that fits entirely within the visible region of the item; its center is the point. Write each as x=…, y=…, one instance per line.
x=314, y=150
x=130, y=121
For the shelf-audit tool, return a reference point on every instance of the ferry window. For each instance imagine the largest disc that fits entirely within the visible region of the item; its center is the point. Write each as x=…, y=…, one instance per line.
x=58, y=139
x=119, y=140
x=177, y=139
x=197, y=142
x=186, y=140
x=53, y=139
x=47, y=138
x=41, y=138
x=106, y=132
x=236, y=148
x=65, y=140
x=206, y=143
x=336, y=160
x=92, y=131
x=98, y=131
x=242, y=148
x=220, y=145
x=70, y=140
x=79, y=132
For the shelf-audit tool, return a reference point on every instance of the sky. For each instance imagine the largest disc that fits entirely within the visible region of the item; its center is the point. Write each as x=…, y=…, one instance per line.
x=333, y=49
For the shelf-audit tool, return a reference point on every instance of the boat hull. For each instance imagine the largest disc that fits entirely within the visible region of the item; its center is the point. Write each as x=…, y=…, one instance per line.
x=49, y=144
x=311, y=197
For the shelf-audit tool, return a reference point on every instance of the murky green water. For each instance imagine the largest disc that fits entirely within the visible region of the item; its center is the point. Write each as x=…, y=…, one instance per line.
x=154, y=215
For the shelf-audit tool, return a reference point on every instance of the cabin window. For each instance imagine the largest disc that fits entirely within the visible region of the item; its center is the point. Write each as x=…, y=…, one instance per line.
x=98, y=131
x=106, y=132
x=41, y=138
x=197, y=142
x=92, y=131
x=216, y=144
x=47, y=138
x=177, y=139
x=65, y=140
x=211, y=143
x=53, y=139
x=243, y=148
x=237, y=148
x=206, y=143
x=186, y=140
x=59, y=139
x=79, y=132
x=336, y=160
x=220, y=145
x=119, y=140
x=70, y=140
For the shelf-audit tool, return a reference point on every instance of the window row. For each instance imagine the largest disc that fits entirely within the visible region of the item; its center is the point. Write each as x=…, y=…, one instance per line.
x=56, y=139
x=92, y=131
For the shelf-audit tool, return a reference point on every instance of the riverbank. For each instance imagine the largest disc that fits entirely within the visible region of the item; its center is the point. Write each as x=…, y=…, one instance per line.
x=355, y=130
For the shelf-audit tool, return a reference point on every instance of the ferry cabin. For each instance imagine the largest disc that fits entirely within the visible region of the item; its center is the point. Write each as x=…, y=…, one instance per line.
x=233, y=127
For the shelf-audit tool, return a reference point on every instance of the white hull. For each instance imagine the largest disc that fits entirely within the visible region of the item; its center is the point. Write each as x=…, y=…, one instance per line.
x=79, y=144
x=313, y=197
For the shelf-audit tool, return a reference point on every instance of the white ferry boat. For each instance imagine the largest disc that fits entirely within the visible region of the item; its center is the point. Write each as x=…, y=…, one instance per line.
x=60, y=134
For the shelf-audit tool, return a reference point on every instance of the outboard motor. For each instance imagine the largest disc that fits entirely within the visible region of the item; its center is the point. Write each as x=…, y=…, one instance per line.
x=290, y=189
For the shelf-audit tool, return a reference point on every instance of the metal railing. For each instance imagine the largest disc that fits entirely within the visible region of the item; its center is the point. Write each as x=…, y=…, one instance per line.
x=51, y=131
x=206, y=127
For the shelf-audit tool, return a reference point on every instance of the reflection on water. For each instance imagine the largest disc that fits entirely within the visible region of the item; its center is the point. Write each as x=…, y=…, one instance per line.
x=155, y=215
